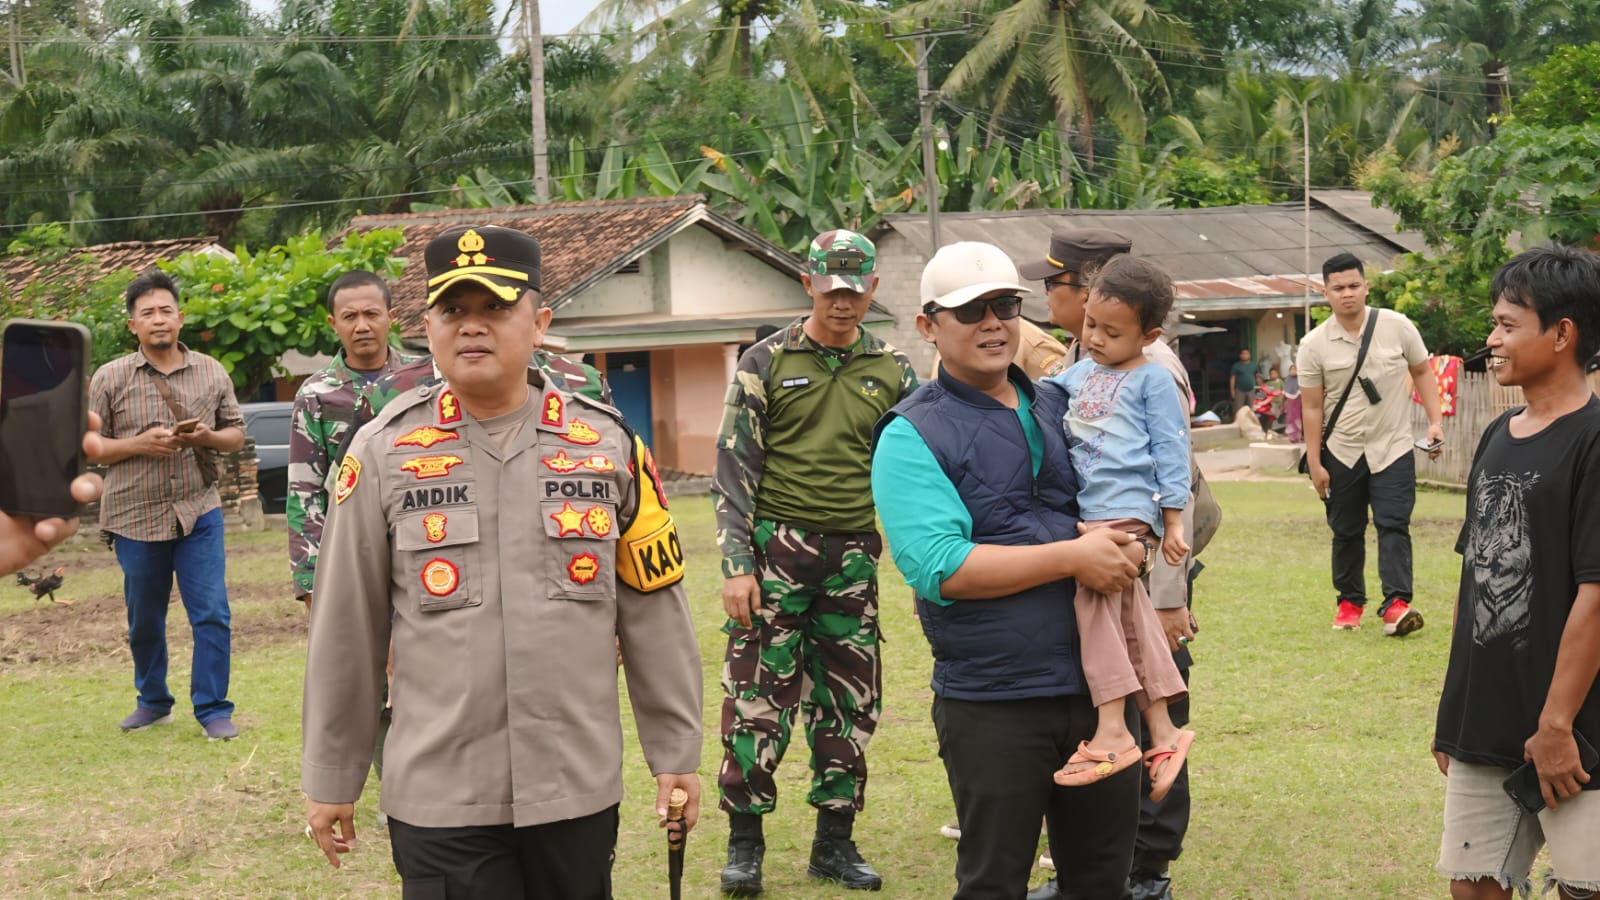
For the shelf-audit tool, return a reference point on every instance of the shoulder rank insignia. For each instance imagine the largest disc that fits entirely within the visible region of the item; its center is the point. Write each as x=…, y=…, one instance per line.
x=580, y=432
x=552, y=410
x=598, y=518
x=449, y=408
x=584, y=568
x=568, y=521
x=349, y=475
x=431, y=466
x=425, y=437
x=433, y=527
x=440, y=577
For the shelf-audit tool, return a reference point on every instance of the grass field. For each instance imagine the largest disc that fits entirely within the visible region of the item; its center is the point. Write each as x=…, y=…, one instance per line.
x=1311, y=777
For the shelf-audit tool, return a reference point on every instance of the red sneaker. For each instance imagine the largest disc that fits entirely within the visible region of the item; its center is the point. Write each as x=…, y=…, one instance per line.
x=1348, y=617
x=1400, y=619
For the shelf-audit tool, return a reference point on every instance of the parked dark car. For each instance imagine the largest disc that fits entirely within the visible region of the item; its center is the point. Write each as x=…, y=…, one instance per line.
x=268, y=424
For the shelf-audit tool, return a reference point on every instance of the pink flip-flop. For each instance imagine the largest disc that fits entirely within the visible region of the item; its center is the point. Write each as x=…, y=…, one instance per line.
x=1165, y=763
x=1106, y=765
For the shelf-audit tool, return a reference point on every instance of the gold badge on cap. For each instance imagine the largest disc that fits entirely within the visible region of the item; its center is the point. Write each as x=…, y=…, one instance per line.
x=471, y=246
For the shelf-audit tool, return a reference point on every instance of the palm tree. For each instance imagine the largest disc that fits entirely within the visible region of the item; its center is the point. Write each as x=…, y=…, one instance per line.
x=1491, y=35
x=1092, y=57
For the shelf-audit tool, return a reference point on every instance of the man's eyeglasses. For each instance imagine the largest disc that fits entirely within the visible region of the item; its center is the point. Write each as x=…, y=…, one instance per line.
x=973, y=312
x=1050, y=284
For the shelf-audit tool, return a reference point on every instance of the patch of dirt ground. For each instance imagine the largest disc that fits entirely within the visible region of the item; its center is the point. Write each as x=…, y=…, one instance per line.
x=97, y=629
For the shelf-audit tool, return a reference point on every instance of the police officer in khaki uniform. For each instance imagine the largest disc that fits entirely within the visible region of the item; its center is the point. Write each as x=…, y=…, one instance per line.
x=503, y=773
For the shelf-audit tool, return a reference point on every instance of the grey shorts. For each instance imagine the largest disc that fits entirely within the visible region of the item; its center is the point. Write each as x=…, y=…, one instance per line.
x=1486, y=835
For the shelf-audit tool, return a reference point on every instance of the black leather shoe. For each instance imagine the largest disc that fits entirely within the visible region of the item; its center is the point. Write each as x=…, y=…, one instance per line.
x=741, y=877
x=1150, y=886
x=836, y=859
x=1047, y=891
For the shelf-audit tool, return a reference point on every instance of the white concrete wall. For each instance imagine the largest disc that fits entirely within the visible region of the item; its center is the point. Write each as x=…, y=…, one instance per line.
x=710, y=278
x=619, y=294
x=899, y=289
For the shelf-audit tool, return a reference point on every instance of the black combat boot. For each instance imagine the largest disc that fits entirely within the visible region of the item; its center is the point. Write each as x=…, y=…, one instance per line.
x=834, y=855
x=1150, y=881
x=741, y=877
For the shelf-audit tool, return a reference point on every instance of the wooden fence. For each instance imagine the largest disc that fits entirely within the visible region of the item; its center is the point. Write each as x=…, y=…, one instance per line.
x=1479, y=400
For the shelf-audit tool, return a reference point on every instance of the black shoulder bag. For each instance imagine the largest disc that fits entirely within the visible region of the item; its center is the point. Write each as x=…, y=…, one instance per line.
x=1303, y=467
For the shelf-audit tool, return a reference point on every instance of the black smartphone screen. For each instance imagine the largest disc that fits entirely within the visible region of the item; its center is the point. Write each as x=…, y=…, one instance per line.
x=42, y=415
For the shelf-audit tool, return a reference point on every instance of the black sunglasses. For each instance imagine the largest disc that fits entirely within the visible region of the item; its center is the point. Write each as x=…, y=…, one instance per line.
x=973, y=312
x=1051, y=283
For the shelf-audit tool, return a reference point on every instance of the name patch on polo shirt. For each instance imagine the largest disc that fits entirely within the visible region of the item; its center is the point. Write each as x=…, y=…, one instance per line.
x=422, y=498
x=794, y=382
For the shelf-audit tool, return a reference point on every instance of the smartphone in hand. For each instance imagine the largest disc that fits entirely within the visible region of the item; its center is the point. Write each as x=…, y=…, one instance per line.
x=1427, y=446
x=1523, y=783
x=186, y=426
x=44, y=403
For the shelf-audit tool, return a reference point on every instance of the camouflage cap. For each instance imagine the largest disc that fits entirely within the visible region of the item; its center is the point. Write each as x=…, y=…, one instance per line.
x=840, y=259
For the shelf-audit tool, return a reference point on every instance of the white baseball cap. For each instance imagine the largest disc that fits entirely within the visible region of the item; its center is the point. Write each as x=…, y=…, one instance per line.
x=964, y=271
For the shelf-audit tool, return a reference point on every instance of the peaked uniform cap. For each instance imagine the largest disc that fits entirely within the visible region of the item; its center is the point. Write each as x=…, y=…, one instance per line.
x=839, y=259
x=503, y=260
x=1076, y=249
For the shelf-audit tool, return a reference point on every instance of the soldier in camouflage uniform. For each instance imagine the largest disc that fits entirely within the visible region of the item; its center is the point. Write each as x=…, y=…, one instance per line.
x=796, y=526
x=359, y=309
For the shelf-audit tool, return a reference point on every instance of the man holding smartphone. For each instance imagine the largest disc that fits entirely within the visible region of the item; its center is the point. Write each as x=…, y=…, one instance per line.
x=1521, y=684
x=1366, y=457
x=161, y=503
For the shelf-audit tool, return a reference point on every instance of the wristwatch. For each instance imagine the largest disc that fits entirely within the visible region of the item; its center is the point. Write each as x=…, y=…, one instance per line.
x=1149, y=561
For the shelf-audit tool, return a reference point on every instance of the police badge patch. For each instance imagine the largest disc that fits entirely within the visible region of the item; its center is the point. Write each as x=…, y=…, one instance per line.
x=349, y=475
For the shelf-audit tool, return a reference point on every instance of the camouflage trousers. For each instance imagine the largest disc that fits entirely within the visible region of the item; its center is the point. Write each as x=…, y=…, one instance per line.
x=813, y=645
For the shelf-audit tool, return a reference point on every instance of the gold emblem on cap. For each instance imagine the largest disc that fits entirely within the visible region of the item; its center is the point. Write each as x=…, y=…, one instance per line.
x=471, y=246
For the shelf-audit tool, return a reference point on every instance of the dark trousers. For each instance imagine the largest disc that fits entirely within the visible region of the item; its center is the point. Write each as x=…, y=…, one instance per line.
x=1392, y=493
x=568, y=860
x=1163, y=824
x=999, y=757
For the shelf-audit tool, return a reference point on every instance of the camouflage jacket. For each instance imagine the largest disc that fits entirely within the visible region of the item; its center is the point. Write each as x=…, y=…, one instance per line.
x=324, y=407
x=794, y=445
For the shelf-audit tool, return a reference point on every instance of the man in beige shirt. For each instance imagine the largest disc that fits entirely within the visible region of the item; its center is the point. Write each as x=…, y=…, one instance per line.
x=1366, y=459
x=506, y=534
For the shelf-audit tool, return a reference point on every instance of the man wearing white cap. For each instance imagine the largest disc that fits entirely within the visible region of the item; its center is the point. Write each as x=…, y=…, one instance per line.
x=978, y=501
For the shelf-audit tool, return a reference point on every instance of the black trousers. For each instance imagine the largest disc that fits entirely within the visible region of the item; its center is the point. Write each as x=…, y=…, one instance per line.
x=999, y=756
x=1162, y=825
x=1392, y=494
x=568, y=860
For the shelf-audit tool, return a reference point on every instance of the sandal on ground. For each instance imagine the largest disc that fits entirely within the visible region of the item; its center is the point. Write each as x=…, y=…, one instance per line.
x=1165, y=763
x=1106, y=765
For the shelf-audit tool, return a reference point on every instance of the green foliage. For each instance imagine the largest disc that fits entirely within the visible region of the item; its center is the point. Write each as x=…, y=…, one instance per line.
x=1199, y=182
x=1565, y=91
x=247, y=312
x=70, y=286
x=1541, y=183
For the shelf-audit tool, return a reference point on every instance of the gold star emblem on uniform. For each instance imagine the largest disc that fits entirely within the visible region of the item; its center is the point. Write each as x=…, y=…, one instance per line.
x=568, y=521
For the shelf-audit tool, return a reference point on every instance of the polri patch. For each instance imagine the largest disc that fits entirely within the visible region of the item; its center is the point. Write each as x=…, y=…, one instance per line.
x=431, y=466
x=425, y=437
x=433, y=527
x=598, y=518
x=552, y=410
x=577, y=489
x=583, y=568
x=349, y=475
x=440, y=577
x=449, y=408
x=568, y=521
x=581, y=432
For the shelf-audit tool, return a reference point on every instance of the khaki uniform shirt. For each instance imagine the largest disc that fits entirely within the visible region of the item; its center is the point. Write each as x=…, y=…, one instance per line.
x=505, y=574
x=1327, y=358
x=1037, y=351
x=150, y=498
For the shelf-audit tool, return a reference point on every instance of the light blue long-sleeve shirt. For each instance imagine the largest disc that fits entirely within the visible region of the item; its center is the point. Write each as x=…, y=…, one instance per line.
x=1128, y=440
x=928, y=526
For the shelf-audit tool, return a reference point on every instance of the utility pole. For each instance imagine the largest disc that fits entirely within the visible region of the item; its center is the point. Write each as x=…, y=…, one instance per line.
x=925, y=39
x=1305, y=130
x=541, y=149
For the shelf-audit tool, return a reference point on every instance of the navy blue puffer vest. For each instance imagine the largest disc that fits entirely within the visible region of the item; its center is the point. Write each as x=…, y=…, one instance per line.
x=1025, y=645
